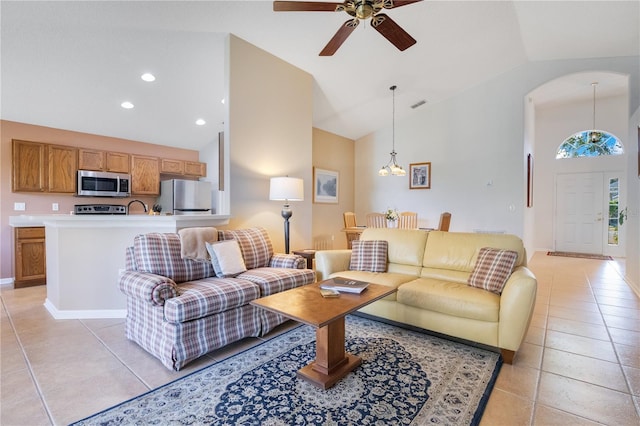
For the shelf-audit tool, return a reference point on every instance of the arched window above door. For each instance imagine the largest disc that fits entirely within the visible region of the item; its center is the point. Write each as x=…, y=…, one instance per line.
x=590, y=143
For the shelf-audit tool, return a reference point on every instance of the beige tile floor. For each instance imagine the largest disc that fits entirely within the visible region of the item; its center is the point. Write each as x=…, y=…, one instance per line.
x=579, y=365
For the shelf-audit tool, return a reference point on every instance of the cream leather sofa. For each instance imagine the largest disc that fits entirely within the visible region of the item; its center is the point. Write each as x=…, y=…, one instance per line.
x=430, y=271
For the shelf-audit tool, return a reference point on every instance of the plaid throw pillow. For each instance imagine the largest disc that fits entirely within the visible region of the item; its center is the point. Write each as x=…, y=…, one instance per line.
x=493, y=268
x=255, y=245
x=369, y=255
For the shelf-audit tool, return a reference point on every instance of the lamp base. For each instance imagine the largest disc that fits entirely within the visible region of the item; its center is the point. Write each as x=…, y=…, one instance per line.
x=286, y=214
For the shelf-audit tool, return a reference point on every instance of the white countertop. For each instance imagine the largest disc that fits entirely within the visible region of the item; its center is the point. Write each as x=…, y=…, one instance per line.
x=83, y=221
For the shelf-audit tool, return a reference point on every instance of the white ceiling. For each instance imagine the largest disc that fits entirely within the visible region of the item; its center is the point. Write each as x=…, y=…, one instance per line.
x=70, y=64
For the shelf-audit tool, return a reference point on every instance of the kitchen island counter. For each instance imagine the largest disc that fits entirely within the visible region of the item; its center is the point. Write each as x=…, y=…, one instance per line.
x=177, y=221
x=86, y=253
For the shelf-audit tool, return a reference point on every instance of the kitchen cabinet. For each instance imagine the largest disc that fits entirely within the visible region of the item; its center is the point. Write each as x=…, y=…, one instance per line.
x=29, y=166
x=62, y=166
x=194, y=168
x=117, y=162
x=91, y=159
x=183, y=168
x=172, y=167
x=106, y=161
x=30, y=257
x=145, y=175
x=40, y=167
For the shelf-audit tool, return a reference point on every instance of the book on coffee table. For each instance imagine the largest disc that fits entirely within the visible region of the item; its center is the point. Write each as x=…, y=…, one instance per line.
x=344, y=285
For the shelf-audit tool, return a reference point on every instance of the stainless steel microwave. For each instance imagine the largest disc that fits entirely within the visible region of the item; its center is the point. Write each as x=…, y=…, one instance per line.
x=103, y=184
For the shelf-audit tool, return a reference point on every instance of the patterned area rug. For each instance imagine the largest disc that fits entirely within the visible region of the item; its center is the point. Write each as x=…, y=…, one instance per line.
x=405, y=378
x=579, y=255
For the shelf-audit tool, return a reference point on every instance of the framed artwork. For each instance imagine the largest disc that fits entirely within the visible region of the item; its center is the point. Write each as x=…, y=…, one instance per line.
x=325, y=186
x=420, y=176
x=529, y=180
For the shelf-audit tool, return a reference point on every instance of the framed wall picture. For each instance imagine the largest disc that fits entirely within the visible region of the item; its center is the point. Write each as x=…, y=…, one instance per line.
x=420, y=176
x=325, y=186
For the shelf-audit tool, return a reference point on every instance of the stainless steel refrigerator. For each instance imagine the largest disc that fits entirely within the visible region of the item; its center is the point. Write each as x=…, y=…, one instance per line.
x=180, y=197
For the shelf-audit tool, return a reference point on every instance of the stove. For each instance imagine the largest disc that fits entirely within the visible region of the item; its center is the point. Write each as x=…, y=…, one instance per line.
x=100, y=209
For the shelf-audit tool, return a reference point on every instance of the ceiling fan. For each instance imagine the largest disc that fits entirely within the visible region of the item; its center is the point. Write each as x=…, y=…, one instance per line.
x=360, y=10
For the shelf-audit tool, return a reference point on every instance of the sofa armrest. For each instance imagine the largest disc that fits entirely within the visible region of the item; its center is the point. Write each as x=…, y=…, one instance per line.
x=154, y=289
x=516, y=308
x=332, y=261
x=282, y=260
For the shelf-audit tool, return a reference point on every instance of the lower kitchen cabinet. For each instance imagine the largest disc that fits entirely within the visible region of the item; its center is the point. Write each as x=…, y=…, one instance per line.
x=30, y=257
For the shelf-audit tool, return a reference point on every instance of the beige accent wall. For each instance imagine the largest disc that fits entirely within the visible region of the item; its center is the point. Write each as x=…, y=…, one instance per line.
x=41, y=203
x=269, y=134
x=337, y=153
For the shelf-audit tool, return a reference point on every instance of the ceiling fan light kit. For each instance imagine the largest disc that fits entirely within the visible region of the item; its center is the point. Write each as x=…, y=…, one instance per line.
x=359, y=10
x=392, y=167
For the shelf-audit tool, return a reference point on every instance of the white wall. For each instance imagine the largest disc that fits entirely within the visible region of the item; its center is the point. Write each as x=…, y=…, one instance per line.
x=632, y=225
x=473, y=139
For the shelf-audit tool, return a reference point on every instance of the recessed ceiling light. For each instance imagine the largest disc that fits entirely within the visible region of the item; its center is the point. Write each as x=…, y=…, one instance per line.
x=222, y=100
x=200, y=122
x=147, y=76
x=126, y=105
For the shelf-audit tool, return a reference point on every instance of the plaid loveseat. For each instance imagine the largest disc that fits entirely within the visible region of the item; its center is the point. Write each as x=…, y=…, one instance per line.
x=178, y=310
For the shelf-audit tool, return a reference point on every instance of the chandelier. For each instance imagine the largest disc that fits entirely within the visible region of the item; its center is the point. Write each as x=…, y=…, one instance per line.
x=594, y=135
x=392, y=166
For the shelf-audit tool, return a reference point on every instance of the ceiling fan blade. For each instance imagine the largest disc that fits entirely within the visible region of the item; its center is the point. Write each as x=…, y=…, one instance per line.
x=304, y=6
x=345, y=30
x=392, y=31
x=390, y=4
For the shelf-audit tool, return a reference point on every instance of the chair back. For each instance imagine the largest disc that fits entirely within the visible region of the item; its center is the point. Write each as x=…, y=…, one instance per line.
x=408, y=220
x=349, y=219
x=376, y=220
x=445, y=221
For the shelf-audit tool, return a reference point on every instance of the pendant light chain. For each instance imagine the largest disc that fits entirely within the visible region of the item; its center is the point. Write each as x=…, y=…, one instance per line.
x=393, y=120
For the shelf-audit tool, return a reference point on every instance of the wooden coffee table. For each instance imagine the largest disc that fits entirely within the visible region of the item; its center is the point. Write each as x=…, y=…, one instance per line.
x=305, y=304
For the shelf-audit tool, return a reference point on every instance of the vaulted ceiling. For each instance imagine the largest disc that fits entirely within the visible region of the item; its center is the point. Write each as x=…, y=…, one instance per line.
x=70, y=64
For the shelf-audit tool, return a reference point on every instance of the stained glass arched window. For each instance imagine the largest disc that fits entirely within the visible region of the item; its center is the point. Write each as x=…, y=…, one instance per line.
x=590, y=143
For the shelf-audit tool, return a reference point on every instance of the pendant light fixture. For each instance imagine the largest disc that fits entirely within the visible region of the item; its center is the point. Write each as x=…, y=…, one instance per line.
x=392, y=166
x=594, y=135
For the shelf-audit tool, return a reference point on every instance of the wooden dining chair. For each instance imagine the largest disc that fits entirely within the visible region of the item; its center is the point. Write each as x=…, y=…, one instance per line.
x=408, y=220
x=376, y=220
x=350, y=223
x=349, y=220
x=445, y=221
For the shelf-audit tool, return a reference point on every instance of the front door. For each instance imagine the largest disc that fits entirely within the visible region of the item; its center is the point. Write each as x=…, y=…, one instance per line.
x=579, y=213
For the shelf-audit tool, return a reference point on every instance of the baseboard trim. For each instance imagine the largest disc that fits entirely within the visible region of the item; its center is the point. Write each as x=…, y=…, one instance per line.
x=84, y=314
x=6, y=281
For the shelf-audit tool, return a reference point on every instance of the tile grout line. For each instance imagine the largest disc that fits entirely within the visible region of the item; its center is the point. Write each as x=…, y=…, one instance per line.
x=120, y=360
x=627, y=380
x=43, y=401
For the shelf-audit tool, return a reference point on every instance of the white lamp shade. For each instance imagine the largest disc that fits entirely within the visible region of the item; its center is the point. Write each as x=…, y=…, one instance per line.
x=286, y=188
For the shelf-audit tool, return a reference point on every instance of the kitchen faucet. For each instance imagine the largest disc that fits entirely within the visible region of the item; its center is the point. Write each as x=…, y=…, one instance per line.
x=137, y=201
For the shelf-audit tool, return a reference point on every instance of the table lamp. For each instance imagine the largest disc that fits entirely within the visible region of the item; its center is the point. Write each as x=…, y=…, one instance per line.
x=287, y=189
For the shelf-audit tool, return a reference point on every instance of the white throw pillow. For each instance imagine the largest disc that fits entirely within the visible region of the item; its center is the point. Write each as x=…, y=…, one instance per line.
x=226, y=258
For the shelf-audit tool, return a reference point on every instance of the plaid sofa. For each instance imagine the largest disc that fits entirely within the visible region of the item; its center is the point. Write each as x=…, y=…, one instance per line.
x=178, y=310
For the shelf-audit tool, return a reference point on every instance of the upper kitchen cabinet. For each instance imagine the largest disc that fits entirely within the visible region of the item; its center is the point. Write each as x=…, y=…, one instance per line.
x=117, y=162
x=106, y=161
x=172, y=167
x=29, y=167
x=39, y=167
x=62, y=167
x=91, y=159
x=183, y=168
x=145, y=175
x=194, y=168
